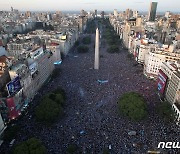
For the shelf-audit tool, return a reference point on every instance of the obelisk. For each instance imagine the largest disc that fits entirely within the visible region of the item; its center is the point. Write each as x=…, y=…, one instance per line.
x=96, y=61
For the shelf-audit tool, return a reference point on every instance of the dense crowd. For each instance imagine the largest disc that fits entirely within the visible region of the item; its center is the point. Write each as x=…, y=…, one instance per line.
x=91, y=119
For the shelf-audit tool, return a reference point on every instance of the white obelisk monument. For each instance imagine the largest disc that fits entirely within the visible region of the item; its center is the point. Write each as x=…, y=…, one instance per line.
x=96, y=62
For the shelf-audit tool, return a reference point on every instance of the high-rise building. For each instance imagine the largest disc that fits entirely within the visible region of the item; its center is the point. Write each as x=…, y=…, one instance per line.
x=95, y=13
x=102, y=14
x=12, y=9
x=129, y=14
x=167, y=14
x=135, y=14
x=81, y=23
x=152, y=11
x=115, y=12
x=49, y=16
x=83, y=13
x=28, y=14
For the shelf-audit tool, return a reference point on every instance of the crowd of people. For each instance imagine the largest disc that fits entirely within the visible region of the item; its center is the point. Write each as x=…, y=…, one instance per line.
x=91, y=120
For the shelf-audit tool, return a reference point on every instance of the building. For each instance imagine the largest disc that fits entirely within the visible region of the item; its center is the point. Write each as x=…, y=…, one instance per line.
x=22, y=71
x=41, y=66
x=152, y=11
x=55, y=49
x=102, y=14
x=4, y=74
x=129, y=14
x=2, y=128
x=173, y=86
x=154, y=59
x=135, y=14
x=115, y=13
x=169, y=84
x=95, y=13
x=81, y=23
x=28, y=14
x=49, y=16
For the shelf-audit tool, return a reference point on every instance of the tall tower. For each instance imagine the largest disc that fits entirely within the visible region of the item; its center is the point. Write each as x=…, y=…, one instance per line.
x=115, y=13
x=152, y=11
x=96, y=61
x=12, y=9
x=95, y=13
x=81, y=23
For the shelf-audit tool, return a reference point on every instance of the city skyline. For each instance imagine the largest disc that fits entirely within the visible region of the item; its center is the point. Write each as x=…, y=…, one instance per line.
x=75, y=5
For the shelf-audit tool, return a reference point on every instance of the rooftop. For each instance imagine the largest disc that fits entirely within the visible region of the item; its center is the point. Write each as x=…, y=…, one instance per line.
x=3, y=59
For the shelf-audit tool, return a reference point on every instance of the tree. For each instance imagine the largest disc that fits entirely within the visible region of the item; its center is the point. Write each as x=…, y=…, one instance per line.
x=133, y=106
x=113, y=49
x=31, y=146
x=48, y=111
x=165, y=111
x=130, y=56
x=91, y=27
x=61, y=91
x=105, y=151
x=72, y=149
x=76, y=43
x=56, y=73
x=58, y=98
x=10, y=133
x=86, y=40
x=83, y=49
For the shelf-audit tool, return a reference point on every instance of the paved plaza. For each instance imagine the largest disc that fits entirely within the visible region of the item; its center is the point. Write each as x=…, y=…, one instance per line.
x=91, y=118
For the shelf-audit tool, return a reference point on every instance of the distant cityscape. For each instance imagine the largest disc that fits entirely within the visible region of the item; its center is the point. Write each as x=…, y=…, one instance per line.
x=82, y=63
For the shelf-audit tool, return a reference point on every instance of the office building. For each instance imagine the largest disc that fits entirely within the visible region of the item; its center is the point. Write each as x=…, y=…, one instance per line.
x=152, y=11
x=115, y=13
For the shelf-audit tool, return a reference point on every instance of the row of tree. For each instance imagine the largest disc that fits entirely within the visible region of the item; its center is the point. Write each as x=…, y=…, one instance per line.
x=51, y=106
x=133, y=106
x=111, y=37
x=35, y=146
x=47, y=112
x=84, y=47
x=90, y=26
x=30, y=146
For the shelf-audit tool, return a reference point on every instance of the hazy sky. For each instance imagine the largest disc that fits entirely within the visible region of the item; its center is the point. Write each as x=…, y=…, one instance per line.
x=106, y=5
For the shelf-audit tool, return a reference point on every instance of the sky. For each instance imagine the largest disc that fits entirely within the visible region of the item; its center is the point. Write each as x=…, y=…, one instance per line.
x=88, y=5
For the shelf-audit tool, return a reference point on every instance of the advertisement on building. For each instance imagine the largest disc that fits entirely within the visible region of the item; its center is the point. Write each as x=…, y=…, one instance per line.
x=33, y=68
x=136, y=52
x=12, y=111
x=14, y=86
x=161, y=81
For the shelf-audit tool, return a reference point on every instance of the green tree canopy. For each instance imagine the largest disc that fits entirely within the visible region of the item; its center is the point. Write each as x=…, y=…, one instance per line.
x=72, y=149
x=56, y=73
x=10, y=133
x=133, y=106
x=113, y=49
x=91, y=26
x=61, y=91
x=58, y=98
x=76, y=43
x=31, y=146
x=86, y=40
x=165, y=111
x=48, y=110
x=82, y=49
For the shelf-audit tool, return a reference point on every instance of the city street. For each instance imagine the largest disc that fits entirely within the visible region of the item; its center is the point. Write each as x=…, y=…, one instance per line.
x=91, y=117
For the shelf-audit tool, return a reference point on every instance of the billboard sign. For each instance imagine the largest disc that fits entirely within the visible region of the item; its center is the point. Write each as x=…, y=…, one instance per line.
x=13, y=112
x=33, y=68
x=14, y=85
x=161, y=81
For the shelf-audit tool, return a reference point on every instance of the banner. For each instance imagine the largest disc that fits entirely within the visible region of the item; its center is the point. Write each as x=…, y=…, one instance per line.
x=162, y=80
x=33, y=68
x=14, y=86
